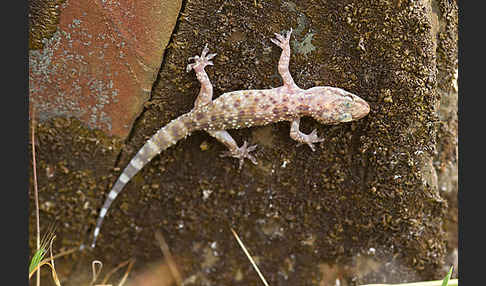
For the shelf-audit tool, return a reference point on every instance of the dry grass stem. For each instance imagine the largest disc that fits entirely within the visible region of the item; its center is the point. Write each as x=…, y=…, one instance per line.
x=130, y=261
x=125, y=276
x=53, y=272
x=65, y=252
x=96, y=267
x=168, y=257
x=452, y=282
x=249, y=257
x=36, y=194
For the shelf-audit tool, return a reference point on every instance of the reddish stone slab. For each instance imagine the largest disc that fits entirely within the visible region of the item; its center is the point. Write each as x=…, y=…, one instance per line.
x=101, y=63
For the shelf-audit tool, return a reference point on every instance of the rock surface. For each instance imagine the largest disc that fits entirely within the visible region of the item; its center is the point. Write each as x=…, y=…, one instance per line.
x=366, y=207
x=100, y=64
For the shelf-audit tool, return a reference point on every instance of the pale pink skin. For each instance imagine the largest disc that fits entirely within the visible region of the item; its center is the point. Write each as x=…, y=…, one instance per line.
x=245, y=108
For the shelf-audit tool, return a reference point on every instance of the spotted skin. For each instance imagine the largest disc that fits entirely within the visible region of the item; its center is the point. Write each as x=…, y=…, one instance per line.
x=245, y=108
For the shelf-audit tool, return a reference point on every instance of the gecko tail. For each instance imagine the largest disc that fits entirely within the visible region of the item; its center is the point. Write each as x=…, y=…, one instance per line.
x=164, y=138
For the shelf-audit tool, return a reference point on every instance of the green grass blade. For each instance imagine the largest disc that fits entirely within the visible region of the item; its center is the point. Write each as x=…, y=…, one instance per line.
x=448, y=276
x=37, y=258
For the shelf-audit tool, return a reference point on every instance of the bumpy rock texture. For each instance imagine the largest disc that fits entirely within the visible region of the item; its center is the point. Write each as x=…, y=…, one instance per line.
x=446, y=158
x=366, y=207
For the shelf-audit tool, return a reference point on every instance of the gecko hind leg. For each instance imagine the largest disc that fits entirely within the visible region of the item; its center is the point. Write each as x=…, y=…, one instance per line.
x=234, y=151
x=200, y=62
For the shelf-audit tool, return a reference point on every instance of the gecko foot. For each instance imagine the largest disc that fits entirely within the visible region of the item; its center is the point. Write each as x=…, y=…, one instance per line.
x=282, y=41
x=309, y=139
x=241, y=153
x=201, y=61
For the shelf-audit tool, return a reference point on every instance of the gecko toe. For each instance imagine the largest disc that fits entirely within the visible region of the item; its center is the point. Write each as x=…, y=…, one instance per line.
x=275, y=42
x=189, y=67
x=253, y=159
x=195, y=58
x=279, y=37
x=314, y=138
x=241, y=153
x=251, y=148
x=201, y=61
x=210, y=56
x=204, y=51
x=240, y=166
x=288, y=34
x=282, y=41
x=311, y=146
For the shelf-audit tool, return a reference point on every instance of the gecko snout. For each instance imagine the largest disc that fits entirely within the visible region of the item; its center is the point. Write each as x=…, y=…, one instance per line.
x=350, y=107
x=360, y=107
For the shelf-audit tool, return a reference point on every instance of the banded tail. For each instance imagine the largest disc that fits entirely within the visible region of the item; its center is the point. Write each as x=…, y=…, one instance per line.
x=167, y=136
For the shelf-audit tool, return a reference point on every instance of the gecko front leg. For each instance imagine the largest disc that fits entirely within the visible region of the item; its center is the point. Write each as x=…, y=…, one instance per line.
x=283, y=63
x=301, y=137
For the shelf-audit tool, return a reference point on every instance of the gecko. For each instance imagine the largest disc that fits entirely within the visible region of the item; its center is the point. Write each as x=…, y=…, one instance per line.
x=241, y=109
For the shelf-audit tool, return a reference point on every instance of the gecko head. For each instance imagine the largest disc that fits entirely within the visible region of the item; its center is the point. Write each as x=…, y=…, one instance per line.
x=334, y=105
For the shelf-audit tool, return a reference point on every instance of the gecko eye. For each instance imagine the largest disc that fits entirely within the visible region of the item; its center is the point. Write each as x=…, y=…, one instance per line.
x=345, y=117
x=346, y=105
